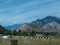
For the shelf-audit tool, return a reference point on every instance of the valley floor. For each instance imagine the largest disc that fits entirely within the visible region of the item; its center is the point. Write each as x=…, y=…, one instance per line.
x=31, y=41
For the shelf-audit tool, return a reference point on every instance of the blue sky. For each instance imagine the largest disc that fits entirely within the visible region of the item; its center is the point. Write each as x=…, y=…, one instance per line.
x=21, y=11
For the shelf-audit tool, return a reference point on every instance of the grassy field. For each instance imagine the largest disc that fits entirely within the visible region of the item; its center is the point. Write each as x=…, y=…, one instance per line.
x=31, y=41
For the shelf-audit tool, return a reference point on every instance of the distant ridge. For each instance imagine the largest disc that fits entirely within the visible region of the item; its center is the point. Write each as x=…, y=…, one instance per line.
x=12, y=27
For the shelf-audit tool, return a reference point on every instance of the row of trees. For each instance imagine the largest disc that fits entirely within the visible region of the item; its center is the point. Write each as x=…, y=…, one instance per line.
x=19, y=33
x=49, y=33
x=22, y=33
x=27, y=33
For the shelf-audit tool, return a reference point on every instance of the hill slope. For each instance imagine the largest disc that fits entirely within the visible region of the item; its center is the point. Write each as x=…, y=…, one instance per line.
x=46, y=24
x=2, y=30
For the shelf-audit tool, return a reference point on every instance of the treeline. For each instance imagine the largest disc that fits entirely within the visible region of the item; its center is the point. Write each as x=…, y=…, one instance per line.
x=22, y=33
x=33, y=33
x=28, y=33
x=49, y=33
x=5, y=32
x=18, y=33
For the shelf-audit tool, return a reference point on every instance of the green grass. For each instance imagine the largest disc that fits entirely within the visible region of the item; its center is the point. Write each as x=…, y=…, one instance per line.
x=31, y=41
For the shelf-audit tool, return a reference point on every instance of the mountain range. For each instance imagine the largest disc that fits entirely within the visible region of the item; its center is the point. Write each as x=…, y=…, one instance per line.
x=49, y=23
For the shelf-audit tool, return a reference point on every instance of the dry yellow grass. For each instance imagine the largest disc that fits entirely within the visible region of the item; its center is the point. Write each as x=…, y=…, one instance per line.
x=31, y=41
